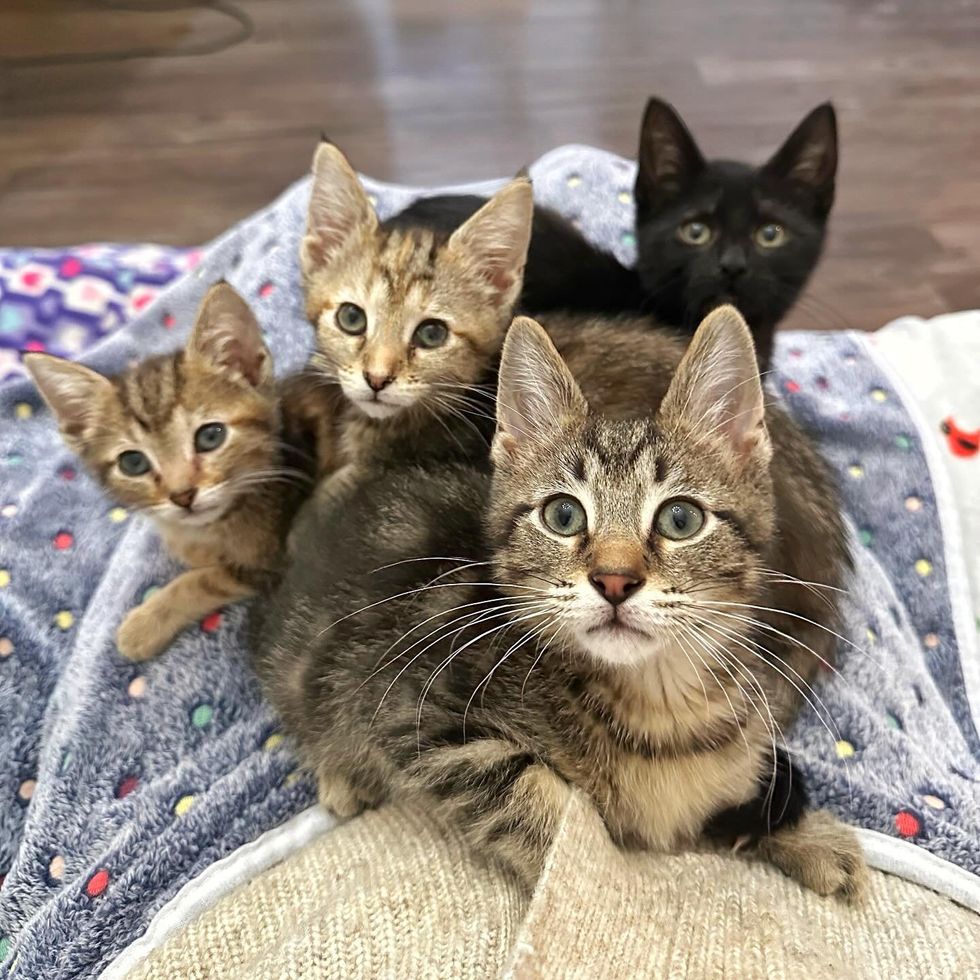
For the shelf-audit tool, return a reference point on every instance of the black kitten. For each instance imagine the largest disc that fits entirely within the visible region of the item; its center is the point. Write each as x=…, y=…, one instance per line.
x=711, y=232
x=708, y=232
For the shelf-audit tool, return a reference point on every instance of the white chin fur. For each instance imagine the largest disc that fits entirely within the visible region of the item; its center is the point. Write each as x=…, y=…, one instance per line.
x=619, y=648
x=179, y=517
x=378, y=410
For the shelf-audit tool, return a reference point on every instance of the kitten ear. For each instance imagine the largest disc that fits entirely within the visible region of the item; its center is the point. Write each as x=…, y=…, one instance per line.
x=809, y=155
x=668, y=156
x=226, y=336
x=339, y=207
x=493, y=243
x=76, y=394
x=536, y=393
x=717, y=388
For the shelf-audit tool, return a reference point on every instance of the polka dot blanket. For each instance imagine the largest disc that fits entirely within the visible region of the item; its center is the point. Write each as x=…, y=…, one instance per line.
x=119, y=783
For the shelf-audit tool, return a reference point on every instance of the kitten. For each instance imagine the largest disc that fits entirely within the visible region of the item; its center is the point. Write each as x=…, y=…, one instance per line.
x=708, y=232
x=574, y=621
x=409, y=321
x=192, y=440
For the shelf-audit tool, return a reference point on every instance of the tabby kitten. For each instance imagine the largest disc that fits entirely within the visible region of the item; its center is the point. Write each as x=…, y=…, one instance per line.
x=708, y=232
x=409, y=321
x=577, y=620
x=192, y=440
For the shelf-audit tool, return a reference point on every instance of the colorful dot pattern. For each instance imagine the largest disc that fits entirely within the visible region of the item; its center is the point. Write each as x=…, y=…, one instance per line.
x=57, y=533
x=887, y=493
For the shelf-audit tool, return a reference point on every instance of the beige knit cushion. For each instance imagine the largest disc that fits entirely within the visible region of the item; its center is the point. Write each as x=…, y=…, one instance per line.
x=392, y=894
x=598, y=911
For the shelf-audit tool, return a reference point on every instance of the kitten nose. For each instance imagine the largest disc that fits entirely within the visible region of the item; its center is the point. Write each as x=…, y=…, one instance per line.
x=184, y=498
x=377, y=381
x=615, y=587
x=733, y=261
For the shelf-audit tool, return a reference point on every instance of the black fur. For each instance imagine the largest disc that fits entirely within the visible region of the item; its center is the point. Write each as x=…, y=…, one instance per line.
x=676, y=283
x=780, y=803
x=564, y=271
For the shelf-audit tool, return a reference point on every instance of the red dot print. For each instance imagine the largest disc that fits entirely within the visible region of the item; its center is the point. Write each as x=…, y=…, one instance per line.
x=126, y=787
x=211, y=622
x=70, y=268
x=63, y=540
x=97, y=884
x=792, y=387
x=266, y=289
x=795, y=352
x=67, y=473
x=169, y=320
x=908, y=824
x=34, y=345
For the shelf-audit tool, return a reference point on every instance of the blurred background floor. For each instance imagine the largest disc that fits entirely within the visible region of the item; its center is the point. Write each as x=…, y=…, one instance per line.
x=224, y=106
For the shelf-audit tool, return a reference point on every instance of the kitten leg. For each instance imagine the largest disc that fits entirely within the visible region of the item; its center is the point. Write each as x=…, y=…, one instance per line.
x=506, y=803
x=810, y=846
x=821, y=853
x=151, y=627
x=350, y=783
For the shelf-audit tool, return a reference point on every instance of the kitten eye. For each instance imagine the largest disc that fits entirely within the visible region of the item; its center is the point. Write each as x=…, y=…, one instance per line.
x=694, y=233
x=209, y=437
x=430, y=333
x=565, y=516
x=770, y=235
x=351, y=319
x=679, y=519
x=133, y=462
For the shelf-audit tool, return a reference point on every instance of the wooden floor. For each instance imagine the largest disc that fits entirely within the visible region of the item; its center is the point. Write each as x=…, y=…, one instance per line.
x=225, y=105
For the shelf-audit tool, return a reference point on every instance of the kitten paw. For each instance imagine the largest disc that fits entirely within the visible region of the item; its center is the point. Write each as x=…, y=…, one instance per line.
x=137, y=637
x=338, y=795
x=822, y=854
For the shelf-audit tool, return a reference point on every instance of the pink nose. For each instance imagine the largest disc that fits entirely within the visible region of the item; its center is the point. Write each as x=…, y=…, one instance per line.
x=615, y=587
x=377, y=381
x=184, y=498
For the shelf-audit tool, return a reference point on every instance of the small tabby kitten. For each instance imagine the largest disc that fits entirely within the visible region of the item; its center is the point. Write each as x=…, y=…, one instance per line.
x=581, y=619
x=409, y=321
x=708, y=232
x=192, y=440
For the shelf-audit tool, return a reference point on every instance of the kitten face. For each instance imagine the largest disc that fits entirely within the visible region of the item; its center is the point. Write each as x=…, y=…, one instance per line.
x=180, y=437
x=618, y=529
x=404, y=318
x=713, y=232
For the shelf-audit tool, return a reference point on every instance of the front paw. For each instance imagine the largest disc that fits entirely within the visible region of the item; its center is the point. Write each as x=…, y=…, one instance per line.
x=138, y=637
x=822, y=854
x=337, y=794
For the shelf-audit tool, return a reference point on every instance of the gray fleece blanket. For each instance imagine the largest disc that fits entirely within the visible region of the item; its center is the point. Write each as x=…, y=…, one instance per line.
x=121, y=782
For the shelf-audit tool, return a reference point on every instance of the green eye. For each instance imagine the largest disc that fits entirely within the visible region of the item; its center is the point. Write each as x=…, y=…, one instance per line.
x=430, y=333
x=209, y=437
x=770, y=235
x=565, y=516
x=133, y=463
x=351, y=319
x=694, y=233
x=679, y=519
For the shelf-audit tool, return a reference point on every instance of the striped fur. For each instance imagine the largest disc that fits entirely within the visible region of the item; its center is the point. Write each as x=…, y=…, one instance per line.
x=448, y=645
x=244, y=491
x=432, y=403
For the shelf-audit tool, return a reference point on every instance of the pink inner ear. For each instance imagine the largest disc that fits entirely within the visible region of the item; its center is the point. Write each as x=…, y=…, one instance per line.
x=239, y=357
x=499, y=279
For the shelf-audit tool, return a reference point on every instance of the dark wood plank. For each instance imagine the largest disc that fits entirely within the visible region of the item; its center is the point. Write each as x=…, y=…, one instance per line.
x=175, y=148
